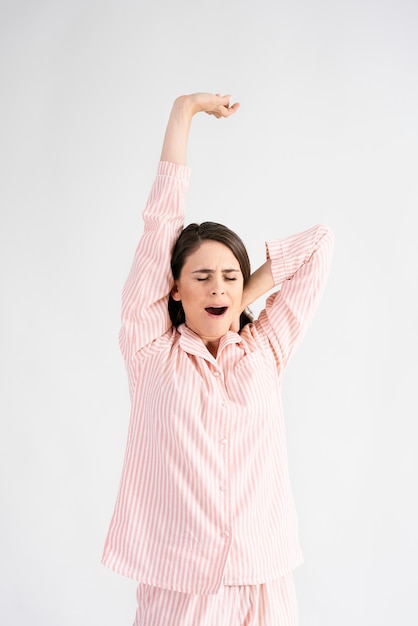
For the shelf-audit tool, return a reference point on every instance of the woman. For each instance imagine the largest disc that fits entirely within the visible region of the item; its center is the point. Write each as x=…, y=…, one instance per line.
x=205, y=518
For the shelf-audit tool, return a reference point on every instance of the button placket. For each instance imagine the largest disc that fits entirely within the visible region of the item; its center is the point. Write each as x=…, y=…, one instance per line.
x=224, y=441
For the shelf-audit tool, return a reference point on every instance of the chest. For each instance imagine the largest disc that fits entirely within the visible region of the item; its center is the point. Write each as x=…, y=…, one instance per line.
x=179, y=389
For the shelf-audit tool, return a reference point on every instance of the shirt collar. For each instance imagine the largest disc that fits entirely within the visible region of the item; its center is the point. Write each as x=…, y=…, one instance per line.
x=191, y=342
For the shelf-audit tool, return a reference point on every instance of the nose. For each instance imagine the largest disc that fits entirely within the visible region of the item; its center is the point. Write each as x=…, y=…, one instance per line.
x=217, y=286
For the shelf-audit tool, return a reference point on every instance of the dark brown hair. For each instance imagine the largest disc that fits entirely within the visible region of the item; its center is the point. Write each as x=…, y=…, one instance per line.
x=189, y=240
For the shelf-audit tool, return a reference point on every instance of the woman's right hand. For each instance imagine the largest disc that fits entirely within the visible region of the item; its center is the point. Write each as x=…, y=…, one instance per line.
x=184, y=108
x=212, y=104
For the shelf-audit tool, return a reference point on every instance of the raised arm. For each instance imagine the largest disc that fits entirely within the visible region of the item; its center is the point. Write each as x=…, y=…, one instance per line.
x=184, y=108
x=300, y=263
x=145, y=294
x=259, y=283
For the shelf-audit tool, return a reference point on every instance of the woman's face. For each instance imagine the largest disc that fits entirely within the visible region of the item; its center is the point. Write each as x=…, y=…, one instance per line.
x=210, y=290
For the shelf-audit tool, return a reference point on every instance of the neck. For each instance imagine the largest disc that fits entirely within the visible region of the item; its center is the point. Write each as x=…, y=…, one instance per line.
x=212, y=346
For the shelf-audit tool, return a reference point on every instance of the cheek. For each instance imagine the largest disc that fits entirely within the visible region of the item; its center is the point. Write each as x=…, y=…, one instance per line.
x=239, y=291
x=191, y=296
x=186, y=291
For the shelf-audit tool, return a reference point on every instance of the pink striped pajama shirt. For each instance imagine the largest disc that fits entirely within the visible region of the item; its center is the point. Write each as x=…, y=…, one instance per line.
x=205, y=498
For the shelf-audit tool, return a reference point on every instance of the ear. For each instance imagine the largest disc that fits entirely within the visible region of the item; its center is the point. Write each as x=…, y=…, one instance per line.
x=175, y=293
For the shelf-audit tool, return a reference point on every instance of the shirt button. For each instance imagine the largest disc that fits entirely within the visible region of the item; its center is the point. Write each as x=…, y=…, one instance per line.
x=223, y=441
x=224, y=404
x=216, y=374
x=222, y=487
x=226, y=534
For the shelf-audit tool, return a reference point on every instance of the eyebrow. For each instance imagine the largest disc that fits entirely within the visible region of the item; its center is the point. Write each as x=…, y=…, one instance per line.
x=207, y=271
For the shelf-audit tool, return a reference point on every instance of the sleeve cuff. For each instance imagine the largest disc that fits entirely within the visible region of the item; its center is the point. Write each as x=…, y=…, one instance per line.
x=174, y=170
x=288, y=254
x=274, y=253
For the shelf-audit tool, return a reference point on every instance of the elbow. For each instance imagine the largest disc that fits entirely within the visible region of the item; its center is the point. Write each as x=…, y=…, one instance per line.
x=325, y=234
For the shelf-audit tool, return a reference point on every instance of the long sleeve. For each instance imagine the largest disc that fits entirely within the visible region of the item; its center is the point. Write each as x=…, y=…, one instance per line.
x=205, y=466
x=145, y=293
x=301, y=265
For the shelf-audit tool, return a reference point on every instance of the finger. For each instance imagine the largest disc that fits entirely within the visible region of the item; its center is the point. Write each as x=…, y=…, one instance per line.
x=227, y=111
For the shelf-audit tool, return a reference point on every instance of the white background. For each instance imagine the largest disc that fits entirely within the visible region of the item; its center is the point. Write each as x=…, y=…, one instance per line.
x=327, y=132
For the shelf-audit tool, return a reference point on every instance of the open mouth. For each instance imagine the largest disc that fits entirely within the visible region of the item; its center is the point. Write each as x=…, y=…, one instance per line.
x=216, y=310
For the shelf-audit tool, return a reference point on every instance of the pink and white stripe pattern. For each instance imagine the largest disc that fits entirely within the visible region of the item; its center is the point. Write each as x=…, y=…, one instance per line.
x=269, y=604
x=205, y=497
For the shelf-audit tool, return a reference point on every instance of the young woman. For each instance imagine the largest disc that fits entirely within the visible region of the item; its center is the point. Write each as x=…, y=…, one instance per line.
x=204, y=517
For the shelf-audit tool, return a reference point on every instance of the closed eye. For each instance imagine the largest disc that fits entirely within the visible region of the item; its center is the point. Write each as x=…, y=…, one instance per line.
x=225, y=277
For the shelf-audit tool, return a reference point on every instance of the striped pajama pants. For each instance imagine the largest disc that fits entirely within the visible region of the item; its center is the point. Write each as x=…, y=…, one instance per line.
x=268, y=604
